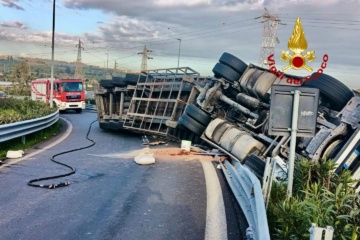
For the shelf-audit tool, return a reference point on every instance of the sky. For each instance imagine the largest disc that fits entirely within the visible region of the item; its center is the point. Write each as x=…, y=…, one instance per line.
x=117, y=30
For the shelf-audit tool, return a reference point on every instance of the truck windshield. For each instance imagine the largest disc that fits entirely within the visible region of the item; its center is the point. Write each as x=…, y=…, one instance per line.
x=72, y=86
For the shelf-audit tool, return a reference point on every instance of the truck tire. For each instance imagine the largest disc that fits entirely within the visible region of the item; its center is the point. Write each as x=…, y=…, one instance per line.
x=333, y=149
x=132, y=79
x=223, y=71
x=118, y=82
x=337, y=93
x=233, y=62
x=198, y=114
x=191, y=124
x=256, y=165
x=105, y=83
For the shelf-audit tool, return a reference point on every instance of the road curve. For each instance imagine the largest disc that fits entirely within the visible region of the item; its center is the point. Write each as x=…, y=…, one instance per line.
x=111, y=197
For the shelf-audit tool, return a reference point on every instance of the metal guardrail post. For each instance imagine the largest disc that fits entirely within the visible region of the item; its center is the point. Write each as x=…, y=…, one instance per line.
x=316, y=233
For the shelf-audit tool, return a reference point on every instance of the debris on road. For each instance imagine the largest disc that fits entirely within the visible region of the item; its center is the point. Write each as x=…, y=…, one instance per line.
x=173, y=153
x=154, y=143
x=145, y=157
x=14, y=154
x=186, y=145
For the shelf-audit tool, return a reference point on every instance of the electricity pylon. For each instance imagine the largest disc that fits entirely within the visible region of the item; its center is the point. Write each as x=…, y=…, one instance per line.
x=269, y=36
x=78, y=66
x=115, y=69
x=145, y=57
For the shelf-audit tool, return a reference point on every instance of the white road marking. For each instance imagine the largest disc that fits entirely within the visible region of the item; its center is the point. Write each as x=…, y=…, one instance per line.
x=216, y=227
x=66, y=134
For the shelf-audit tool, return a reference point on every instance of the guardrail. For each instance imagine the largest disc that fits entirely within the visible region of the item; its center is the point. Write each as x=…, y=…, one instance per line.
x=91, y=107
x=19, y=129
x=247, y=191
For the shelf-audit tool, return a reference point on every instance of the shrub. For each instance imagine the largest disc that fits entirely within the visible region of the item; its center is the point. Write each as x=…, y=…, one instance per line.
x=319, y=196
x=14, y=110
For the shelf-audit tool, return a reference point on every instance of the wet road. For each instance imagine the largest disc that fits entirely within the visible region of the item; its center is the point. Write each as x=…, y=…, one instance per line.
x=110, y=197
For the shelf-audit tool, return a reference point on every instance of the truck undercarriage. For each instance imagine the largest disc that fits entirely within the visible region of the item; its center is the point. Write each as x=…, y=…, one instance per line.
x=231, y=111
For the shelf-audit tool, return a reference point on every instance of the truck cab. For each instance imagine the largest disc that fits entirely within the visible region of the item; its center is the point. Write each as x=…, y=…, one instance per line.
x=67, y=93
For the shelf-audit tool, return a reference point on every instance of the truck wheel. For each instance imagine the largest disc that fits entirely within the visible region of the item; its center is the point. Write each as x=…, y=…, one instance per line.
x=118, y=82
x=105, y=83
x=233, y=62
x=132, y=79
x=222, y=71
x=333, y=149
x=256, y=165
x=78, y=110
x=191, y=124
x=198, y=114
x=337, y=93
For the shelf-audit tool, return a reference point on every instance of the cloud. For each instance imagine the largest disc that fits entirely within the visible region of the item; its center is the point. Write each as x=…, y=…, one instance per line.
x=13, y=24
x=173, y=3
x=130, y=29
x=11, y=4
x=38, y=37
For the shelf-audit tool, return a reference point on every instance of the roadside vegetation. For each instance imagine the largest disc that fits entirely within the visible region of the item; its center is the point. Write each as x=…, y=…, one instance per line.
x=14, y=110
x=31, y=139
x=90, y=101
x=319, y=196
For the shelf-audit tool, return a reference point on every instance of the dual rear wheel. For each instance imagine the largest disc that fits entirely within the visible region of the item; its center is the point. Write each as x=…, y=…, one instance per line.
x=194, y=119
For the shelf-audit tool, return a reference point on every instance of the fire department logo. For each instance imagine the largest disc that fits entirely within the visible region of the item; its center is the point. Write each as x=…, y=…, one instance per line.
x=297, y=44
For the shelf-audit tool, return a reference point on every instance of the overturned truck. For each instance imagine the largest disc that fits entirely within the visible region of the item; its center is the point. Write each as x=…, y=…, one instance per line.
x=231, y=111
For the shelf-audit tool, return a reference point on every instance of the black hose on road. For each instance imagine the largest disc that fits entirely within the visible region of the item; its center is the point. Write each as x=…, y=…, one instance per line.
x=73, y=170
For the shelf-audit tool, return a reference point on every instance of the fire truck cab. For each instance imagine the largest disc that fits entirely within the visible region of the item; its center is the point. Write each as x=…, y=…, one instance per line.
x=67, y=93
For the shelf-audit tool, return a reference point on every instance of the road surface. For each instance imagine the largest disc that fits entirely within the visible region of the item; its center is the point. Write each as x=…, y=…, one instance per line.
x=111, y=197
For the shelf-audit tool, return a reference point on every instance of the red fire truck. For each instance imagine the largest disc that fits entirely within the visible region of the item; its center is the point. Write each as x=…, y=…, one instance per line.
x=67, y=93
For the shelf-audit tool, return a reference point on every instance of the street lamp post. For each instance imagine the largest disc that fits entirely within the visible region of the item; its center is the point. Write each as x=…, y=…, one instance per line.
x=107, y=64
x=107, y=60
x=179, y=52
x=52, y=57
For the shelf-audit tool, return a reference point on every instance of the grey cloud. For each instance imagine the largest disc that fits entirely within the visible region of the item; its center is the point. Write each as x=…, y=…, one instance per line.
x=13, y=24
x=11, y=4
x=149, y=10
x=236, y=2
x=38, y=37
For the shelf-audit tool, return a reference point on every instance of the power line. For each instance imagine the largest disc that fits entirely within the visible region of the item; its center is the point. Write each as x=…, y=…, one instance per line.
x=204, y=33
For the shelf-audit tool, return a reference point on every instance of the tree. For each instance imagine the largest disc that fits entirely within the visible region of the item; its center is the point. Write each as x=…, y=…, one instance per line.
x=21, y=78
x=67, y=70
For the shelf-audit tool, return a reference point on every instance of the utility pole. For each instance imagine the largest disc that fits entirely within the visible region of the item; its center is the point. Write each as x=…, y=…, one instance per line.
x=107, y=65
x=179, y=52
x=104, y=71
x=269, y=36
x=78, y=66
x=145, y=57
x=52, y=57
x=107, y=60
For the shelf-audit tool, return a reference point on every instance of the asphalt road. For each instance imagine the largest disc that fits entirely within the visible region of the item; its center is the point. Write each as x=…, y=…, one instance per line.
x=110, y=197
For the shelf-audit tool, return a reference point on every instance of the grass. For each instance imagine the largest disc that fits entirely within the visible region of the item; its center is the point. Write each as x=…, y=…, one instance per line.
x=31, y=139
